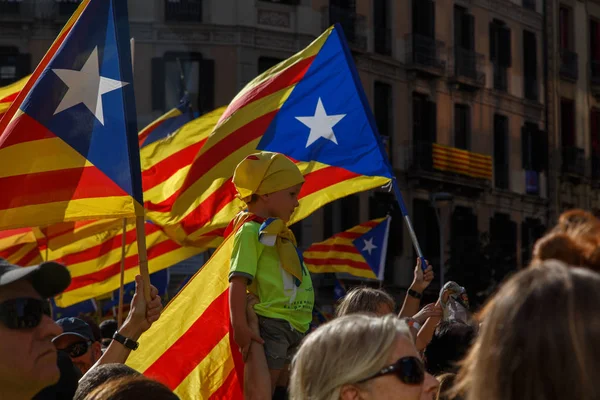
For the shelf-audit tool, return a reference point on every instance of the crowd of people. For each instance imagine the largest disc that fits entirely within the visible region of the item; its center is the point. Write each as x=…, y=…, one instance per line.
x=537, y=337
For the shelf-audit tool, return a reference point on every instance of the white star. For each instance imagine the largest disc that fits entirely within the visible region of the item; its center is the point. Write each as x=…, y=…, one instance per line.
x=86, y=86
x=321, y=125
x=369, y=246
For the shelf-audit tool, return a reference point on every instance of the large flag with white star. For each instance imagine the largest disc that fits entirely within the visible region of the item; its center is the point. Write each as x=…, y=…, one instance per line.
x=360, y=251
x=68, y=143
x=312, y=108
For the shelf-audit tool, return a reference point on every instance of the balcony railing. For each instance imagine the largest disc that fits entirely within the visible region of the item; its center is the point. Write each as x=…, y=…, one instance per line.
x=573, y=161
x=424, y=51
x=468, y=65
x=569, y=64
x=354, y=25
x=183, y=10
x=436, y=157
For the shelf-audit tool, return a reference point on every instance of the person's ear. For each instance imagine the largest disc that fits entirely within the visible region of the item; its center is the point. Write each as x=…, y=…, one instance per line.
x=350, y=392
x=97, y=350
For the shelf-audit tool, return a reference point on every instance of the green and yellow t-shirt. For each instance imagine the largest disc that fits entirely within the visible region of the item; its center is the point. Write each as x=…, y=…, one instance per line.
x=279, y=296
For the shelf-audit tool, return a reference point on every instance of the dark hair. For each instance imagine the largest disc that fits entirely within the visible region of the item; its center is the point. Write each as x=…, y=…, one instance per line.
x=132, y=387
x=101, y=374
x=95, y=329
x=67, y=384
x=450, y=343
x=108, y=328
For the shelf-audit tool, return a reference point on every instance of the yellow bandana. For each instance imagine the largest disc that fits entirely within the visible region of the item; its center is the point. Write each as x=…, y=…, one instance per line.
x=274, y=232
x=264, y=173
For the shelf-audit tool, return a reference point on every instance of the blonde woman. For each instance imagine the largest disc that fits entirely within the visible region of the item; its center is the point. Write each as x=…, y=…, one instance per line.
x=539, y=338
x=360, y=357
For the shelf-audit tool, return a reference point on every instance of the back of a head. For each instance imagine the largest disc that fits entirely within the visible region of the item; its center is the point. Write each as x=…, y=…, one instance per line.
x=93, y=325
x=573, y=248
x=539, y=339
x=450, y=343
x=324, y=363
x=364, y=300
x=578, y=219
x=101, y=374
x=108, y=328
x=132, y=387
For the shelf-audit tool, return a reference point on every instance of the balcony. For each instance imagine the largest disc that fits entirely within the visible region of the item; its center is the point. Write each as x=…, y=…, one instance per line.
x=595, y=74
x=183, y=10
x=353, y=25
x=467, y=70
x=573, y=161
x=449, y=168
x=569, y=65
x=424, y=55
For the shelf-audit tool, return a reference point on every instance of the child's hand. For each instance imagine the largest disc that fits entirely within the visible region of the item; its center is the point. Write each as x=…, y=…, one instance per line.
x=244, y=336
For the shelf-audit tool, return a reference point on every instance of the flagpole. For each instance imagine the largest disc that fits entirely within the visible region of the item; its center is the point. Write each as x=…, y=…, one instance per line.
x=122, y=283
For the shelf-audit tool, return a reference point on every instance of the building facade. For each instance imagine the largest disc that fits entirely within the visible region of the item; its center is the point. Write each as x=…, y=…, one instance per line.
x=491, y=102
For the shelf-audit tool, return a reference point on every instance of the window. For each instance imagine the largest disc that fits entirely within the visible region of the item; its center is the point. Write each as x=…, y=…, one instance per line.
x=595, y=50
x=534, y=148
x=595, y=142
x=501, y=152
x=531, y=230
x=463, y=225
x=344, y=13
x=462, y=126
x=384, y=114
x=529, y=4
x=13, y=65
x=382, y=27
x=424, y=130
x=500, y=53
x=564, y=28
x=464, y=43
x=503, y=239
x=265, y=63
x=530, y=65
x=423, y=18
x=10, y=7
x=198, y=81
x=183, y=10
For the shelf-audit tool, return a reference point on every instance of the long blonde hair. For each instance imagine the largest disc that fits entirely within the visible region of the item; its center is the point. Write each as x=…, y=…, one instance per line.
x=343, y=351
x=364, y=300
x=540, y=338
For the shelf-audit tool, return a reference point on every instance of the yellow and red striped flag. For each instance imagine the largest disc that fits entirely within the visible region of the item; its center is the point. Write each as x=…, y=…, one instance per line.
x=166, y=123
x=68, y=142
x=360, y=251
x=190, y=348
x=20, y=247
x=311, y=107
x=9, y=93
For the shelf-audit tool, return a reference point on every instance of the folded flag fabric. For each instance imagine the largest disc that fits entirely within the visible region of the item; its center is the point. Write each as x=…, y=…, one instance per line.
x=312, y=108
x=20, y=247
x=9, y=93
x=360, y=251
x=68, y=142
x=167, y=123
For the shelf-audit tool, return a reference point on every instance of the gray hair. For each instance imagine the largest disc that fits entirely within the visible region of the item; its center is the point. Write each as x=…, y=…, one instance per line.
x=344, y=351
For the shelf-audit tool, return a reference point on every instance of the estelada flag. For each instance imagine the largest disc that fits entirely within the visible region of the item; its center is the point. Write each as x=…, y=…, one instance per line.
x=9, y=93
x=360, y=251
x=68, y=143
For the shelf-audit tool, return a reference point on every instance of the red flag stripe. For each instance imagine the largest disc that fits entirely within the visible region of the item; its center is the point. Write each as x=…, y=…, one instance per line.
x=171, y=368
x=337, y=261
x=288, y=77
x=163, y=170
x=7, y=253
x=35, y=131
x=230, y=389
x=10, y=98
x=71, y=184
x=114, y=269
x=325, y=248
x=29, y=257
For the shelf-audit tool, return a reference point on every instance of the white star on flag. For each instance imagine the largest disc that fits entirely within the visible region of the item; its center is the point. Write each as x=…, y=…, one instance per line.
x=86, y=86
x=369, y=246
x=321, y=125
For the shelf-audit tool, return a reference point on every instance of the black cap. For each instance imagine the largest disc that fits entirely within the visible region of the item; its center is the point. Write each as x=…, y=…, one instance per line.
x=75, y=326
x=48, y=279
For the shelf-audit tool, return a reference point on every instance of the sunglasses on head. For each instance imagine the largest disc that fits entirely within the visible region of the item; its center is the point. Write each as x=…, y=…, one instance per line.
x=23, y=313
x=77, y=349
x=409, y=370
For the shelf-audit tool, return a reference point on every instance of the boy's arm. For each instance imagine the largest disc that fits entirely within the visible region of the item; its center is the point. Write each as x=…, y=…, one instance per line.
x=421, y=281
x=242, y=334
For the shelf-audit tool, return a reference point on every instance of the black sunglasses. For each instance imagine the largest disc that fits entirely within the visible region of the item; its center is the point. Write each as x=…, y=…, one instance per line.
x=77, y=349
x=409, y=370
x=24, y=313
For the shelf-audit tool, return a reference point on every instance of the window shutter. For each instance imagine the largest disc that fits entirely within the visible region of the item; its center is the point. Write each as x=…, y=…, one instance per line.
x=158, y=84
x=431, y=120
x=458, y=29
x=206, y=96
x=543, y=143
x=429, y=17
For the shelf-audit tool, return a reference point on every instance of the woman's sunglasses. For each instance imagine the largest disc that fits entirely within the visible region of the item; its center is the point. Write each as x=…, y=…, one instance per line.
x=409, y=370
x=23, y=313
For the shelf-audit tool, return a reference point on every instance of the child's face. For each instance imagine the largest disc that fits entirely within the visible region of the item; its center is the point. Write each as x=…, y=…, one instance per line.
x=281, y=204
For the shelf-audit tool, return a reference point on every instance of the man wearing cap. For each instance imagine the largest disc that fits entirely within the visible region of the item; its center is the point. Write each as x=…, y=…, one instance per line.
x=28, y=359
x=77, y=340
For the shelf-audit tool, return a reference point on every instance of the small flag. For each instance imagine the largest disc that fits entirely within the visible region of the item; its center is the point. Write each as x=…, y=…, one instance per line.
x=68, y=142
x=360, y=251
x=339, y=291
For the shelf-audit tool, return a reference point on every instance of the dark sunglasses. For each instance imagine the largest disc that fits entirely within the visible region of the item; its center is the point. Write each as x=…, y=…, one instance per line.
x=409, y=370
x=24, y=313
x=78, y=349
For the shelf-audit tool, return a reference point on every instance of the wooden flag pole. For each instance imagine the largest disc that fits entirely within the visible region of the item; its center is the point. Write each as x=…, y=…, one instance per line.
x=122, y=283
